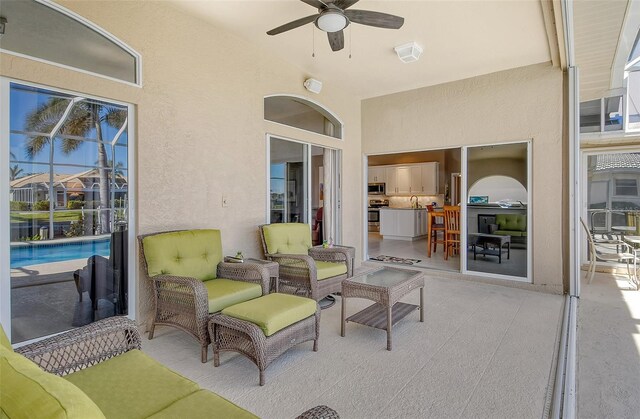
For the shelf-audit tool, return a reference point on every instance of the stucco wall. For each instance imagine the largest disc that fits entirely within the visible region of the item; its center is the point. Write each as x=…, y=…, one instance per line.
x=200, y=128
x=519, y=104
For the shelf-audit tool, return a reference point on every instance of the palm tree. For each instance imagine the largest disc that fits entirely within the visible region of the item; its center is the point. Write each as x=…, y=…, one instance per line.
x=81, y=120
x=15, y=170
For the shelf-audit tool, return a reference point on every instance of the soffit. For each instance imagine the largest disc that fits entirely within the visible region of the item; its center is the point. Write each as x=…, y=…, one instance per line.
x=597, y=26
x=461, y=39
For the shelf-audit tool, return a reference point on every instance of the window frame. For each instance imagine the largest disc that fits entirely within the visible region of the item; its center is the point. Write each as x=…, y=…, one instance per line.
x=92, y=26
x=5, y=144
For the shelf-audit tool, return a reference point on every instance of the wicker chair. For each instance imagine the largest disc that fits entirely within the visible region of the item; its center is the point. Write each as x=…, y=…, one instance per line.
x=182, y=301
x=301, y=265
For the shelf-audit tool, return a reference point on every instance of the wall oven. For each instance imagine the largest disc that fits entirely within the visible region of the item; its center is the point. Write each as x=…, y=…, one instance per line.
x=376, y=189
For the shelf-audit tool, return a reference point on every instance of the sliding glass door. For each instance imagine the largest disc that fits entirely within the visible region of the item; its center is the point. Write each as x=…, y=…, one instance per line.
x=304, y=187
x=498, y=213
x=68, y=192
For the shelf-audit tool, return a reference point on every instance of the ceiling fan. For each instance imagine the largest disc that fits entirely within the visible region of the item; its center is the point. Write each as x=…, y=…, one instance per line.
x=332, y=17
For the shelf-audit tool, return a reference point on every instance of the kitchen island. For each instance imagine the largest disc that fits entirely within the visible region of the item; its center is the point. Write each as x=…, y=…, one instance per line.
x=403, y=223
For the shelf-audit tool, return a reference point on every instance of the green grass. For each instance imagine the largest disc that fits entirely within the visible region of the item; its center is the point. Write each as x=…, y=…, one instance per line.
x=20, y=217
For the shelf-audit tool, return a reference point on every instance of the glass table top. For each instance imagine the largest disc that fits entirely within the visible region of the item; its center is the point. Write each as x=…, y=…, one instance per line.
x=385, y=277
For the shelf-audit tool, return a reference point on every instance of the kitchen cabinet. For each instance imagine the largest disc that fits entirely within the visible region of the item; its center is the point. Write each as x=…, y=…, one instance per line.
x=391, y=180
x=376, y=174
x=412, y=179
x=403, y=223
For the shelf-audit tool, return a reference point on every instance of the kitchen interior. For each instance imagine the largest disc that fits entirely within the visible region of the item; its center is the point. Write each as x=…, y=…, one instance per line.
x=405, y=189
x=401, y=187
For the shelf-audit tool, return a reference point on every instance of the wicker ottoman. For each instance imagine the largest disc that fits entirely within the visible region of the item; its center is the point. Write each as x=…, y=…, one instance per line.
x=264, y=328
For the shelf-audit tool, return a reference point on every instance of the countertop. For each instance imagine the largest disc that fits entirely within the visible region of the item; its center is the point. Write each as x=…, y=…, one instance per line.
x=403, y=209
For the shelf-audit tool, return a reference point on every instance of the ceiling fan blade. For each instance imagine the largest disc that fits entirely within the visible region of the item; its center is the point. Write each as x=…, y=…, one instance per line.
x=344, y=4
x=377, y=19
x=336, y=40
x=315, y=3
x=292, y=25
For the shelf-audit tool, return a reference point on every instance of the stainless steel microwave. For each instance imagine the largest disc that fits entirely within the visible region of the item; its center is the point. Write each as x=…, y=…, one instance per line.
x=376, y=189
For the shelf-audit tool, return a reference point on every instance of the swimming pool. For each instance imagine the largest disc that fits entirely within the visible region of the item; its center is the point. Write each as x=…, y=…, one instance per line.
x=45, y=253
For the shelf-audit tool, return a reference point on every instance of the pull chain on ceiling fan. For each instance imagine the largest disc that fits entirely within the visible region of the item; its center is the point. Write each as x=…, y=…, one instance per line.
x=332, y=18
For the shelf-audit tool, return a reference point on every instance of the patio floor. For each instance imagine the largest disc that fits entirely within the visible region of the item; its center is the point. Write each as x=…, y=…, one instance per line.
x=484, y=351
x=608, y=348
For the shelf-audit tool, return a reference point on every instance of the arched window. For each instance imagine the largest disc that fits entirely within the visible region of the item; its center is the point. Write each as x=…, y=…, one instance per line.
x=302, y=113
x=45, y=31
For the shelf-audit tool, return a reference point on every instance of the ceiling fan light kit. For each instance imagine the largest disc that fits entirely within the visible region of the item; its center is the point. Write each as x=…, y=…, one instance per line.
x=332, y=21
x=333, y=17
x=408, y=53
x=313, y=85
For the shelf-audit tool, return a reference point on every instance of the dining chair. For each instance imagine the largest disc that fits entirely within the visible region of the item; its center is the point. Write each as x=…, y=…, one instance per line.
x=602, y=250
x=452, y=230
x=436, y=225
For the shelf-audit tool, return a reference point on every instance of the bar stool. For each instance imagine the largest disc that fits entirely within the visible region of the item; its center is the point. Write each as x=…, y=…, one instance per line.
x=436, y=226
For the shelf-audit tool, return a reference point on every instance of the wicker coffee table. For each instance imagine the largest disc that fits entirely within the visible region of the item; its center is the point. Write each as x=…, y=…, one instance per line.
x=385, y=286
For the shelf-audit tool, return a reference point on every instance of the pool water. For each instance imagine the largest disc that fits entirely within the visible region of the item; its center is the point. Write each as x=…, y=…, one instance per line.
x=45, y=253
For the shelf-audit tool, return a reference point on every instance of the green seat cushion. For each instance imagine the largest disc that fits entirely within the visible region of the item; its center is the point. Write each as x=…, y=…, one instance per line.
x=192, y=253
x=4, y=340
x=203, y=404
x=28, y=392
x=287, y=238
x=132, y=385
x=330, y=269
x=227, y=292
x=273, y=312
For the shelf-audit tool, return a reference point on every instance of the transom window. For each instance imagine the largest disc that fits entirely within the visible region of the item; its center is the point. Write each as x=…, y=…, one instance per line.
x=301, y=113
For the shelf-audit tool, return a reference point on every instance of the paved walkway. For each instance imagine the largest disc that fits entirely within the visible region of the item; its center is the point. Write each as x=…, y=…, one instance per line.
x=484, y=351
x=608, y=348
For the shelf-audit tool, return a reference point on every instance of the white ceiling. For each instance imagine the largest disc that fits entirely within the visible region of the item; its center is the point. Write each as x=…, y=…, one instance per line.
x=461, y=39
x=597, y=27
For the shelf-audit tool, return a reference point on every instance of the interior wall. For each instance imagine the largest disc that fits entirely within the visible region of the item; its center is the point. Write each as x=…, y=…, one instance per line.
x=519, y=104
x=199, y=122
x=514, y=168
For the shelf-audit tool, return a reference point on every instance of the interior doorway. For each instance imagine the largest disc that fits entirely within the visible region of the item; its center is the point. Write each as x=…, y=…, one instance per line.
x=402, y=190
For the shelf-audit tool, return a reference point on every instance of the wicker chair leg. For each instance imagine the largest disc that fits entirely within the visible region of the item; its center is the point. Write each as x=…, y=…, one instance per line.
x=315, y=345
x=216, y=358
x=261, y=377
x=204, y=353
x=152, y=329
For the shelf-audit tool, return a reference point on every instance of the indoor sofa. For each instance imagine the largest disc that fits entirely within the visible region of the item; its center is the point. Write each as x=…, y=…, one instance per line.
x=98, y=371
x=514, y=225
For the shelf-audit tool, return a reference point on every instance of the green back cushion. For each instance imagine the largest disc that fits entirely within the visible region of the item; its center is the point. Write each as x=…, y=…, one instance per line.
x=132, y=385
x=273, y=312
x=4, y=340
x=26, y=391
x=192, y=253
x=287, y=238
x=513, y=222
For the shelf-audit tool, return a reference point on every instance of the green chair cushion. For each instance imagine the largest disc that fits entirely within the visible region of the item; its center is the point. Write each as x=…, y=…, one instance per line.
x=273, y=312
x=27, y=392
x=132, y=385
x=4, y=340
x=227, y=292
x=192, y=253
x=511, y=222
x=203, y=404
x=287, y=238
x=330, y=269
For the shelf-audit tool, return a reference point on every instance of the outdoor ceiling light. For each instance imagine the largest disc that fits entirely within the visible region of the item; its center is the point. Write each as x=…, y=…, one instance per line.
x=332, y=21
x=408, y=52
x=313, y=85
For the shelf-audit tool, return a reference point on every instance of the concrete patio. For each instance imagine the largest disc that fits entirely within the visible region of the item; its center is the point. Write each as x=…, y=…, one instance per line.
x=608, y=348
x=484, y=351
